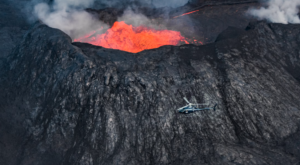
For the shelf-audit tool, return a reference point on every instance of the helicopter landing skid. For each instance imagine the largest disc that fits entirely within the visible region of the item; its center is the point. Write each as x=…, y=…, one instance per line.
x=191, y=115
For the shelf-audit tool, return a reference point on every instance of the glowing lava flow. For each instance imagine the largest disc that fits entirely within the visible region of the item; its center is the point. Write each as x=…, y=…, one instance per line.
x=133, y=39
x=186, y=13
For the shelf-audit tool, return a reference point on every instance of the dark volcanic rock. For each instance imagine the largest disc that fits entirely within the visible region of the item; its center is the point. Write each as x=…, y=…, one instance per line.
x=12, y=27
x=230, y=32
x=197, y=2
x=210, y=20
x=74, y=103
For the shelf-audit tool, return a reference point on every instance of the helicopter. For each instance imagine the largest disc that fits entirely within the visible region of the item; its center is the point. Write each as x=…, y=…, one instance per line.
x=190, y=108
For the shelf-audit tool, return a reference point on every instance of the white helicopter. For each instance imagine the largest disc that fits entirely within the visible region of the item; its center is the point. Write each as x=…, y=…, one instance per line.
x=190, y=108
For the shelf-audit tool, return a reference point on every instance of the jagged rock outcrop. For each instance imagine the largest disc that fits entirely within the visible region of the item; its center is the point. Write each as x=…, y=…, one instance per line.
x=74, y=103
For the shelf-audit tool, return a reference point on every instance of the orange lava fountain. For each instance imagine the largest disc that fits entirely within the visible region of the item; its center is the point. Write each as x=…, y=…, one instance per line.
x=133, y=39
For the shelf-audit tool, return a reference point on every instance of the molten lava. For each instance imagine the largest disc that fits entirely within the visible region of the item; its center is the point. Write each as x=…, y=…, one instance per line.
x=187, y=13
x=133, y=39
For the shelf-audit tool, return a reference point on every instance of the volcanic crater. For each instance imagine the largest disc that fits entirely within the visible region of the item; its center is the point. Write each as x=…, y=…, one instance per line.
x=66, y=102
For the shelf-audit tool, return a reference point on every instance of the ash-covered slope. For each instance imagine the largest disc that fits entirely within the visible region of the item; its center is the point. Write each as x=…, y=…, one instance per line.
x=74, y=103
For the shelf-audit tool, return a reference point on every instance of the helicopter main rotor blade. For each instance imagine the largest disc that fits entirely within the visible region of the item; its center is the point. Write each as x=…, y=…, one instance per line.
x=186, y=100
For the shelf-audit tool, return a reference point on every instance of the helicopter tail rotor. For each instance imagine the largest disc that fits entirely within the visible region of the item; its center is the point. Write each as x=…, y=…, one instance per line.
x=215, y=107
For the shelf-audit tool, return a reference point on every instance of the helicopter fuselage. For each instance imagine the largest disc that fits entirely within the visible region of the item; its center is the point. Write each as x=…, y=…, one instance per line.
x=190, y=108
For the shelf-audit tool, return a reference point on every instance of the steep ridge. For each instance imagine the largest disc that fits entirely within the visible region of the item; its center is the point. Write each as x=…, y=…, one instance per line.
x=74, y=103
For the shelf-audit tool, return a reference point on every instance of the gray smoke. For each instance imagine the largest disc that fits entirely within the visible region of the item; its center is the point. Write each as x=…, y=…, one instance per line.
x=169, y=3
x=137, y=19
x=278, y=11
x=149, y=3
x=68, y=16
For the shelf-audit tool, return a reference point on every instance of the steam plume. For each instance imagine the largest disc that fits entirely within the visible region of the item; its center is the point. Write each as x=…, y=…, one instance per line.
x=153, y=3
x=279, y=11
x=138, y=19
x=169, y=3
x=68, y=16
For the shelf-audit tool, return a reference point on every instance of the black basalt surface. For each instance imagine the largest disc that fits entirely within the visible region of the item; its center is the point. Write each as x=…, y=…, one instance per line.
x=74, y=103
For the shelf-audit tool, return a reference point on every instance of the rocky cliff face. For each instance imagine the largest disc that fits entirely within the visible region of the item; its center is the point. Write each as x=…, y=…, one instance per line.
x=74, y=103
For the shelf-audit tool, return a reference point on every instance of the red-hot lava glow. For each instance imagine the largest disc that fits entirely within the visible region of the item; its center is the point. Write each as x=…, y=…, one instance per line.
x=186, y=13
x=133, y=39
